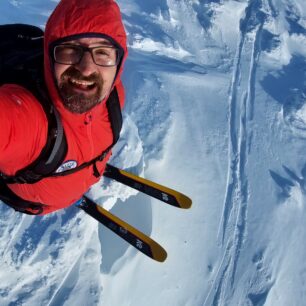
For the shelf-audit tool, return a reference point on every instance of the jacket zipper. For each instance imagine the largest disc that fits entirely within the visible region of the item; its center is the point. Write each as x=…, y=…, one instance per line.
x=88, y=123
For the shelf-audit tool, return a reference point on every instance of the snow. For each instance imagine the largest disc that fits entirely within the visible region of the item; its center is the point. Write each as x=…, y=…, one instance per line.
x=216, y=109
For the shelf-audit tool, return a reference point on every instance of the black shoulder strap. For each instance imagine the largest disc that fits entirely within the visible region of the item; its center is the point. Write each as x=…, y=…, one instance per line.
x=49, y=159
x=11, y=199
x=115, y=114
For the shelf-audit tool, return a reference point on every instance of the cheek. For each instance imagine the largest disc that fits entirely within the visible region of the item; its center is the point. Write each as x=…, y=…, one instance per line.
x=108, y=75
x=58, y=71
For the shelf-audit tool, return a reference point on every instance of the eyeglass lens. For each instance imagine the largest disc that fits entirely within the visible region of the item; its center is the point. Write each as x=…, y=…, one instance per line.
x=72, y=54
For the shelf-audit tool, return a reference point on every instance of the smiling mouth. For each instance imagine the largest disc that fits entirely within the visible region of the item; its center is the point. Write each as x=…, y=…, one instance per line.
x=82, y=84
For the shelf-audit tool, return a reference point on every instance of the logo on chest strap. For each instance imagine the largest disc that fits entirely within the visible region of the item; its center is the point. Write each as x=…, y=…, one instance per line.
x=68, y=165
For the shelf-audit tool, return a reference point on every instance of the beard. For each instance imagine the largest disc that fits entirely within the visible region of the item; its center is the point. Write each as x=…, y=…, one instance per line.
x=80, y=93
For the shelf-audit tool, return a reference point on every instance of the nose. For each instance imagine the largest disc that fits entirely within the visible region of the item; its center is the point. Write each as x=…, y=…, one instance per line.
x=86, y=66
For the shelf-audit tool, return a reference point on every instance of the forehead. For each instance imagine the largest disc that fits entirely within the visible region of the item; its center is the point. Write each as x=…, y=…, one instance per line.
x=89, y=41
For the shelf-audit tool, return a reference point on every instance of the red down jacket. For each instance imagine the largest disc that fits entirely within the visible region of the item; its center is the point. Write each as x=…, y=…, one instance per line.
x=23, y=124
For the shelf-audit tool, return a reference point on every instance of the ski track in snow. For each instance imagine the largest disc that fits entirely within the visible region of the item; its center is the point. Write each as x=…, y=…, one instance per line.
x=233, y=225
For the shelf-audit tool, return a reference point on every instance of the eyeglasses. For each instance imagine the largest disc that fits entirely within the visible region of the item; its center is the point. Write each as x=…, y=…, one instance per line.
x=104, y=55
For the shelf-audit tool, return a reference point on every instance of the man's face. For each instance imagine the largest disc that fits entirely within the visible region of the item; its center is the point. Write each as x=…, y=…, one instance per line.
x=85, y=84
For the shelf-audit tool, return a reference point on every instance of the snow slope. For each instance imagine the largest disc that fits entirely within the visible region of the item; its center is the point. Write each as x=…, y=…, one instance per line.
x=216, y=108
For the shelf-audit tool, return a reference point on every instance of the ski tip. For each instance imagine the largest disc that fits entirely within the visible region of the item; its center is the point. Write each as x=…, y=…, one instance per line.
x=184, y=201
x=159, y=253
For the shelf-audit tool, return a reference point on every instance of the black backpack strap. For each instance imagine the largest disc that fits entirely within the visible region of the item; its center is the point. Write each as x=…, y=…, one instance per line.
x=114, y=114
x=11, y=199
x=52, y=154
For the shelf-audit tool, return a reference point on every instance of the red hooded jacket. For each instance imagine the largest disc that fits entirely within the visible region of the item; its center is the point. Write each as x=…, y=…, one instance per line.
x=23, y=123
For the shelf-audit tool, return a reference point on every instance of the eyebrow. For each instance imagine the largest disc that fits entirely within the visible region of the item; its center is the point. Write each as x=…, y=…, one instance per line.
x=102, y=42
x=98, y=42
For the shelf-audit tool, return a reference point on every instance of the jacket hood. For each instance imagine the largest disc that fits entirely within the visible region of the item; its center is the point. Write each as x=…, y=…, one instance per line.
x=82, y=17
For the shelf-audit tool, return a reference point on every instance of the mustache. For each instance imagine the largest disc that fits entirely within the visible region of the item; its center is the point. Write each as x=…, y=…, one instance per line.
x=72, y=72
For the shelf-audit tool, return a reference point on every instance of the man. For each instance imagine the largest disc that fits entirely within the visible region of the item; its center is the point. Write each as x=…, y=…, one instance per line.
x=84, y=52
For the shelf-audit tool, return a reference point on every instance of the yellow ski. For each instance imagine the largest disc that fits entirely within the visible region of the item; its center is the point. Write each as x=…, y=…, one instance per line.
x=160, y=192
x=139, y=240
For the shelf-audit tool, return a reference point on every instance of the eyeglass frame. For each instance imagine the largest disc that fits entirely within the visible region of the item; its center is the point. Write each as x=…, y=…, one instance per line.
x=114, y=44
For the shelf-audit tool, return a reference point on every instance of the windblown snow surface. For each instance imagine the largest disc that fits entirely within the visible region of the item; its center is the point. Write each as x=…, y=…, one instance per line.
x=215, y=108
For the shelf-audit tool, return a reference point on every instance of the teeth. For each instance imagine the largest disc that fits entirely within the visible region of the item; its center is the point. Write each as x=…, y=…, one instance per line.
x=84, y=83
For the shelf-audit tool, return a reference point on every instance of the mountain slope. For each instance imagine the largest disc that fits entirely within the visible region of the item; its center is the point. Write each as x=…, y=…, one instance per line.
x=216, y=109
